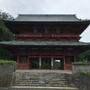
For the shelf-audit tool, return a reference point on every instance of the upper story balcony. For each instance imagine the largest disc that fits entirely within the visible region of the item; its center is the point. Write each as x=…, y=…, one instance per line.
x=40, y=36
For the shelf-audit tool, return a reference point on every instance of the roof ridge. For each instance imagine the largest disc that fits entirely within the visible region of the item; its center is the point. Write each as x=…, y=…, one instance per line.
x=47, y=14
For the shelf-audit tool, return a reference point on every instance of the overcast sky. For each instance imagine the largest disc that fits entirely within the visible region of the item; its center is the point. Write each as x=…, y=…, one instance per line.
x=79, y=7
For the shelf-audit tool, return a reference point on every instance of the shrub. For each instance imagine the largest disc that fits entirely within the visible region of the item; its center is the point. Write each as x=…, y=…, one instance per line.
x=46, y=66
x=8, y=62
x=81, y=72
x=80, y=63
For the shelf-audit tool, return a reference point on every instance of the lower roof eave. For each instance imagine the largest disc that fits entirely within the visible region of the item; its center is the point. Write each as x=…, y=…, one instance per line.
x=43, y=43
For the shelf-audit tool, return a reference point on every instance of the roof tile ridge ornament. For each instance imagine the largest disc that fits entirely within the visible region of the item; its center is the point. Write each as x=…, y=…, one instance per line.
x=81, y=19
x=75, y=15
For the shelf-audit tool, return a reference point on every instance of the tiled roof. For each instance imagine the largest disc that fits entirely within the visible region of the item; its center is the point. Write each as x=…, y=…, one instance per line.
x=46, y=17
x=44, y=43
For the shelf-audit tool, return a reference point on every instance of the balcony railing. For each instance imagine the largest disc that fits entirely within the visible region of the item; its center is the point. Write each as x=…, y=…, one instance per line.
x=46, y=35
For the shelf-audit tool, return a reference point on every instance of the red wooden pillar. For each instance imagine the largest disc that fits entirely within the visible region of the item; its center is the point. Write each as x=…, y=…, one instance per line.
x=28, y=62
x=74, y=58
x=40, y=62
x=18, y=57
x=64, y=62
x=52, y=62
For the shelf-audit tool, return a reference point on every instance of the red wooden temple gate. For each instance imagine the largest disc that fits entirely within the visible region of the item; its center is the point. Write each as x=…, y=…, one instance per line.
x=46, y=41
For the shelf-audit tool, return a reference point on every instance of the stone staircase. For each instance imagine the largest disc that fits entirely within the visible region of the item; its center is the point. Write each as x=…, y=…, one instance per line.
x=42, y=78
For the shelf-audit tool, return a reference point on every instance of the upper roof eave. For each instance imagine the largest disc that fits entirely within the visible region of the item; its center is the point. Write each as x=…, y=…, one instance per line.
x=47, y=18
x=81, y=21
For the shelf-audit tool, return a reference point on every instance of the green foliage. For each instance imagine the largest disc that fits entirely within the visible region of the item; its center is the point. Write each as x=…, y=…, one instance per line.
x=6, y=54
x=5, y=16
x=46, y=66
x=35, y=64
x=80, y=63
x=6, y=63
x=56, y=65
x=5, y=35
x=84, y=56
x=82, y=72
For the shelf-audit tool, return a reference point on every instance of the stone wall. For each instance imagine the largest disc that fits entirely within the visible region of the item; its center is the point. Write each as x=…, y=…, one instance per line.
x=77, y=68
x=6, y=73
x=80, y=81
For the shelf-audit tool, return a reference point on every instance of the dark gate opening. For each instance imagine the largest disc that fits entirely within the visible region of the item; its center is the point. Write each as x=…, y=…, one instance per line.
x=34, y=63
x=58, y=64
x=46, y=63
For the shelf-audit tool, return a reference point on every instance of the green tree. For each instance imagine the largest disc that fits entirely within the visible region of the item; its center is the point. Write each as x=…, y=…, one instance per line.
x=5, y=35
x=85, y=56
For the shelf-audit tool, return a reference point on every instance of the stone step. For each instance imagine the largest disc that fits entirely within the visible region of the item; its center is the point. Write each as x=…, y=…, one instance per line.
x=44, y=82
x=39, y=77
x=41, y=88
x=27, y=80
x=42, y=85
x=36, y=80
x=51, y=83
